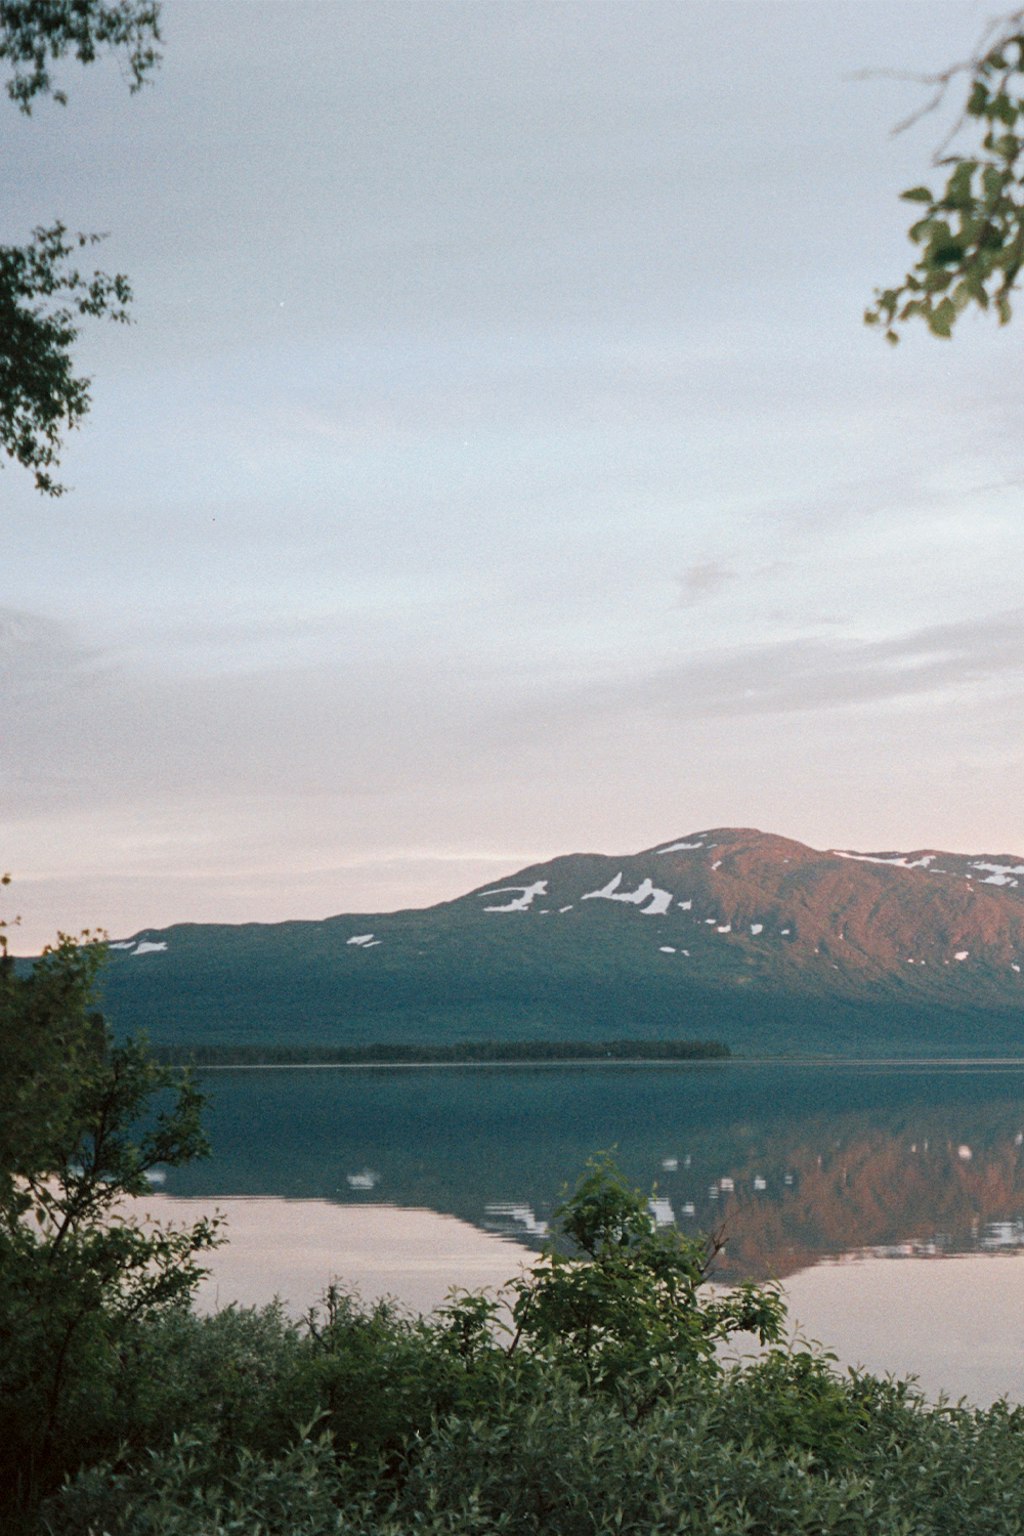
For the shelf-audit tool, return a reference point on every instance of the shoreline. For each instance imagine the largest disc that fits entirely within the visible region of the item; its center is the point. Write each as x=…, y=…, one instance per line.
x=1001, y=1063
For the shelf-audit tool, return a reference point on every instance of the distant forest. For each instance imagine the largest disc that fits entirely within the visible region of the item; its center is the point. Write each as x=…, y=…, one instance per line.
x=397, y=1054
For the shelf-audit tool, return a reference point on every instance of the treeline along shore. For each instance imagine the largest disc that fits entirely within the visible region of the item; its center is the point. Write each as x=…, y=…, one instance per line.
x=463, y=1051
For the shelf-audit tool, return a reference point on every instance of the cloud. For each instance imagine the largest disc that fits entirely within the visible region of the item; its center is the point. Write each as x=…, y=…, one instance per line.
x=700, y=581
x=82, y=735
x=822, y=673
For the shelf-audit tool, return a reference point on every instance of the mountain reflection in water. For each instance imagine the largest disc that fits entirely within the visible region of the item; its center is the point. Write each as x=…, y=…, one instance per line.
x=794, y=1163
x=849, y=1188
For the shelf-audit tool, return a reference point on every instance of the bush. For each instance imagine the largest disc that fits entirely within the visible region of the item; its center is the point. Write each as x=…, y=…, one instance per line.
x=737, y=1454
x=174, y=1494
x=620, y=1303
x=83, y=1121
x=603, y=1409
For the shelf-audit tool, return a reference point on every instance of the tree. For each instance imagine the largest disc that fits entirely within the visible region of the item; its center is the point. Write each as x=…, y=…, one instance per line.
x=621, y=1301
x=971, y=232
x=43, y=295
x=83, y=1122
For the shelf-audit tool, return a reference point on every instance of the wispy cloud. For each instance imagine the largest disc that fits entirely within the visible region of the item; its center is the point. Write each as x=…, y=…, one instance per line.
x=829, y=672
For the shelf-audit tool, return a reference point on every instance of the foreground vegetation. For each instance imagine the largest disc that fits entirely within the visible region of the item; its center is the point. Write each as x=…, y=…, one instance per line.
x=368, y=1424
x=591, y=1399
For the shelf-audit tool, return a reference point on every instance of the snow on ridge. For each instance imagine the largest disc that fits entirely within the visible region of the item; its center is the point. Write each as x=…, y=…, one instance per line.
x=995, y=874
x=678, y=847
x=149, y=947
x=364, y=940
x=660, y=901
x=900, y=860
x=521, y=903
x=1001, y=874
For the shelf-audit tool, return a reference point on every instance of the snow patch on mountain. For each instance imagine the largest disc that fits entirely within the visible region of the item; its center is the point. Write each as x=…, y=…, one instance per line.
x=659, y=900
x=521, y=903
x=678, y=848
x=1001, y=874
x=899, y=860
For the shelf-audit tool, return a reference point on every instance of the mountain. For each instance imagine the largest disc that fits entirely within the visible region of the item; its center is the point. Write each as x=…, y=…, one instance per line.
x=729, y=934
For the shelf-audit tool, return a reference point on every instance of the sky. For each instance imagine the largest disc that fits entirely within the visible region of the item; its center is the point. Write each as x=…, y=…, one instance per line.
x=498, y=465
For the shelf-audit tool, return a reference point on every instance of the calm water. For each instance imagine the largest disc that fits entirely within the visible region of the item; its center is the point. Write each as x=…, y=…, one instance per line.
x=795, y=1163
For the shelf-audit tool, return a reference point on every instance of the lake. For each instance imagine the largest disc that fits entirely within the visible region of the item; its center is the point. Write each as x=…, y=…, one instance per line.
x=888, y=1198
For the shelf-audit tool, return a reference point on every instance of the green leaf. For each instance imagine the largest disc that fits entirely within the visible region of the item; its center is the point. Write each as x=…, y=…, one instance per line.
x=1006, y=110
x=958, y=192
x=993, y=182
x=940, y=321
x=978, y=99
x=917, y=195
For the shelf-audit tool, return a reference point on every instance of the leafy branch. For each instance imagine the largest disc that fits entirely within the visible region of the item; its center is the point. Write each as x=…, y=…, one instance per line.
x=35, y=32
x=971, y=233
x=43, y=296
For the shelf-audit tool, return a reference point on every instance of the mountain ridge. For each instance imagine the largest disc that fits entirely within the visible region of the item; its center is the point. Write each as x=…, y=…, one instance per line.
x=730, y=933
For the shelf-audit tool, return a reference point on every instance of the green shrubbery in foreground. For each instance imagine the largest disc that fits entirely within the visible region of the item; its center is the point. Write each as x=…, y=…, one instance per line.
x=596, y=1402
x=375, y=1424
